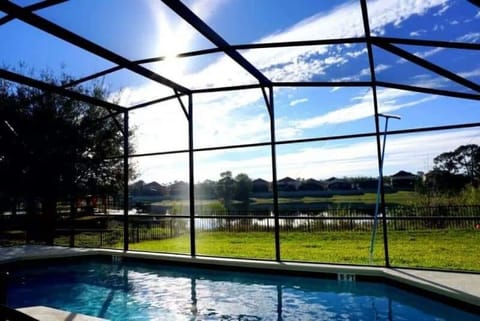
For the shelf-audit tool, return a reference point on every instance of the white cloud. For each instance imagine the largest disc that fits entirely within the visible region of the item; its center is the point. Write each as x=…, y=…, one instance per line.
x=438, y=27
x=381, y=67
x=240, y=117
x=396, y=11
x=470, y=37
x=417, y=33
x=388, y=100
x=472, y=73
x=318, y=160
x=423, y=54
x=298, y=101
x=413, y=153
x=442, y=10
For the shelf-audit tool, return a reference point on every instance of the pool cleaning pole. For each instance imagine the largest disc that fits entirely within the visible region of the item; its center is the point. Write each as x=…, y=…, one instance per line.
x=380, y=180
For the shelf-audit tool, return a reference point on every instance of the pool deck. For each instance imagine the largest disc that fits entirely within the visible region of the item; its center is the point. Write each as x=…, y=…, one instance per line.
x=459, y=286
x=42, y=313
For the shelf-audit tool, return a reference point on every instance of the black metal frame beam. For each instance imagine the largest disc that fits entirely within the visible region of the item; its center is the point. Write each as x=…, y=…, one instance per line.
x=9, y=75
x=339, y=41
x=217, y=50
x=155, y=101
x=33, y=7
x=186, y=14
x=371, y=62
x=313, y=139
x=428, y=65
x=424, y=90
x=356, y=40
x=427, y=43
x=66, y=35
x=126, y=174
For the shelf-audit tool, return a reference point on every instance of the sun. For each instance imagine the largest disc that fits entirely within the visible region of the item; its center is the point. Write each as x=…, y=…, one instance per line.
x=173, y=36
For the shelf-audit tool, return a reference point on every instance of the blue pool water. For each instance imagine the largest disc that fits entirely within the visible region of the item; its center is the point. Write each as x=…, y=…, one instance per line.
x=147, y=291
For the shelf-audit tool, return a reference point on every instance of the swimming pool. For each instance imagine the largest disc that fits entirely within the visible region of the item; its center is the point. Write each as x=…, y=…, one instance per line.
x=157, y=291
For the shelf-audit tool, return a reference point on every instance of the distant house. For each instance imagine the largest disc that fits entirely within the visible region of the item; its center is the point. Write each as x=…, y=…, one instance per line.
x=403, y=180
x=178, y=189
x=288, y=184
x=154, y=188
x=367, y=184
x=339, y=184
x=260, y=186
x=311, y=185
x=141, y=188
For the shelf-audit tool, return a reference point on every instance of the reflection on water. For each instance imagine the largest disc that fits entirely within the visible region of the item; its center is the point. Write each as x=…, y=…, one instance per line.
x=299, y=221
x=129, y=291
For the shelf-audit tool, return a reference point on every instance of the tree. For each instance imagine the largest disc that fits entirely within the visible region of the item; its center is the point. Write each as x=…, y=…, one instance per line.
x=243, y=188
x=468, y=158
x=464, y=160
x=206, y=190
x=225, y=189
x=54, y=148
x=444, y=182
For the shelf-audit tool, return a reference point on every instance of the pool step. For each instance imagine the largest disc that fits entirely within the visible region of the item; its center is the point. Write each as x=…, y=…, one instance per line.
x=42, y=313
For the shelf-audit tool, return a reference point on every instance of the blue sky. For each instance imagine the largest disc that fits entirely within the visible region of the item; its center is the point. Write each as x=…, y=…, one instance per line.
x=147, y=28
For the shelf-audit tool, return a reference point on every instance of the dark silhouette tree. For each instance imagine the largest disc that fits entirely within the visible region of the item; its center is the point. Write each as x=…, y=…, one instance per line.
x=225, y=189
x=54, y=148
x=464, y=160
x=243, y=188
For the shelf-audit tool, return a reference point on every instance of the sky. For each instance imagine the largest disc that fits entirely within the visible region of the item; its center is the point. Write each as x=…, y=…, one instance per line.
x=147, y=28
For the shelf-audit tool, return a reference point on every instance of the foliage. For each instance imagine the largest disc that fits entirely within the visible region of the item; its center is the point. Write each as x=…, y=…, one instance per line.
x=53, y=147
x=243, y=188
x=225, y=189
x=464, y=160
x=206, y=190
x=210, y=208
x=454, y=179
x=470, y=196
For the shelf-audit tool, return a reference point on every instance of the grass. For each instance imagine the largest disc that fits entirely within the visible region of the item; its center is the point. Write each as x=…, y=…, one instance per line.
x=401, y=198
x=442, y=249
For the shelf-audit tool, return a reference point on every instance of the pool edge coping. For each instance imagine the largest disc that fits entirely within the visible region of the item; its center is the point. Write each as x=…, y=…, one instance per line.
x=398, y=276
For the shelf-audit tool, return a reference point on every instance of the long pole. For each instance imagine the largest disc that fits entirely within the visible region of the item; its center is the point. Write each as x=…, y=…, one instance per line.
x=379, y=197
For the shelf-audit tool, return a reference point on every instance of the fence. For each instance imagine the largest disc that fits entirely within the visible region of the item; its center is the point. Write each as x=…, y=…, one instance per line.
x=107, y=230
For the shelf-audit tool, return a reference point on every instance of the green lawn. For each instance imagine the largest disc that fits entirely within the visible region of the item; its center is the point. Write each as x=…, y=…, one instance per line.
x=444, y=249
x=401, y=198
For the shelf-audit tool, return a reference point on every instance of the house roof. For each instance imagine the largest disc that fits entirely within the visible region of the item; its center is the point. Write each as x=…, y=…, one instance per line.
x=403, y=174
x=260, y=181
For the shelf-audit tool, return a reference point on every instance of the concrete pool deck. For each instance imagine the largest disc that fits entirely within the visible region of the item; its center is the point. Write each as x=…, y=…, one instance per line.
x=42, y=313
x=459, y=286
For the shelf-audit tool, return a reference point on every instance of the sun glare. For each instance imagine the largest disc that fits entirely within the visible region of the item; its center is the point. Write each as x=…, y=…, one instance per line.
x=172, y=38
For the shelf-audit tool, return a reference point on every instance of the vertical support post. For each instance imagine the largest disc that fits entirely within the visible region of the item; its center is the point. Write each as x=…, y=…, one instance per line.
x=191, y=186
x=4, y=287
x=125, y=180
x=271, y=112
x=382, y=197
x=73, y=209
x=368, y=39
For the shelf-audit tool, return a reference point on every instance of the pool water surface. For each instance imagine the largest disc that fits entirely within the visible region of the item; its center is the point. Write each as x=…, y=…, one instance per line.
x=155, y=291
